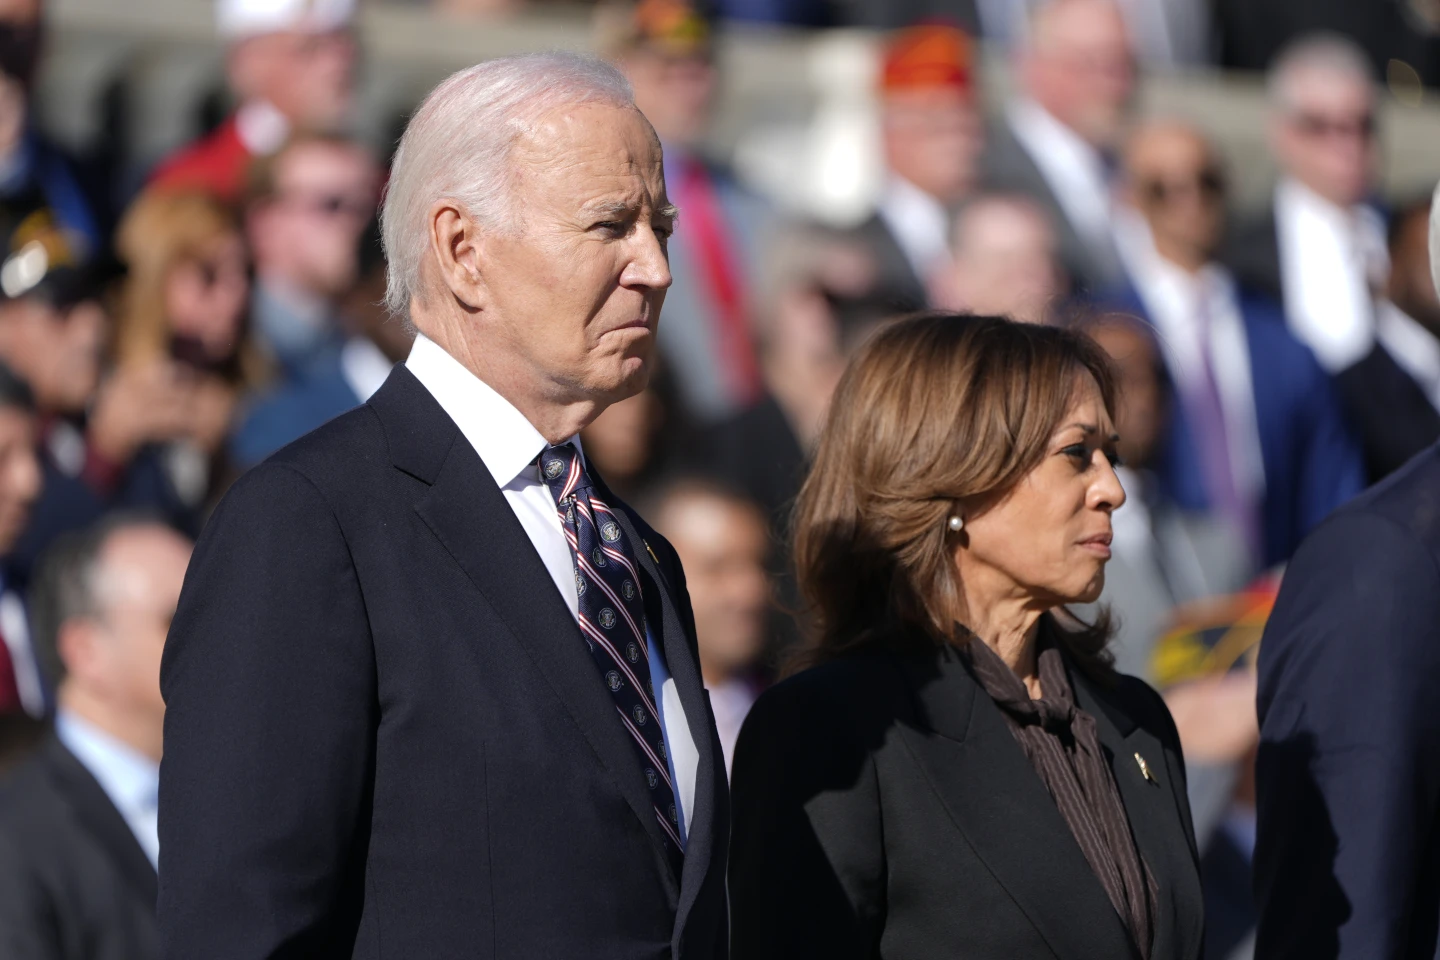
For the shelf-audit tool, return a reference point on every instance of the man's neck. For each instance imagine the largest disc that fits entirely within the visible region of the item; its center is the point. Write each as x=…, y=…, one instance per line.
x=556, y=419
x=1190, y=260
x=140, y=733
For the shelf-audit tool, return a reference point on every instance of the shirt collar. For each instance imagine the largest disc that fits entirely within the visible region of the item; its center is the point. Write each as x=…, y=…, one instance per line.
x=506, y=442
x=129, y=778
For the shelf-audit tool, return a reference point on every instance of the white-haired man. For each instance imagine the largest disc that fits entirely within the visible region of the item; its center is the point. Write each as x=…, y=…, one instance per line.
x=432, y=690
x=1321, y=248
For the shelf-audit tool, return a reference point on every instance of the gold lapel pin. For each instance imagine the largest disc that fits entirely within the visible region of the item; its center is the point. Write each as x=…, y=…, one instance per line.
x=1145, y=769
x=650, y=550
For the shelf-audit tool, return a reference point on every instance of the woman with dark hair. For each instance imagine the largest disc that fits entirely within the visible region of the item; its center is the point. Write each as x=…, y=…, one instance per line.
x=960, y=772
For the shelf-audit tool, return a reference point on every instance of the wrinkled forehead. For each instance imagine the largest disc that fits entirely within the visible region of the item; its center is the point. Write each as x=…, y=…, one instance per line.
x=576, y=154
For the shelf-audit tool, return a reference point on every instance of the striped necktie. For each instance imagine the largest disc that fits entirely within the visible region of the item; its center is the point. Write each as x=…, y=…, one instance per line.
x=612, y=620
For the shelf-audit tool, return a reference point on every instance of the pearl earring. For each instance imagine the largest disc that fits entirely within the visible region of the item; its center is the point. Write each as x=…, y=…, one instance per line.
x=957, y=523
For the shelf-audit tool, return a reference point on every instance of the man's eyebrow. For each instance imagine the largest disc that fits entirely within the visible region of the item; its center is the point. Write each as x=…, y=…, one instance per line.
x=609, y=208
x=668, y=212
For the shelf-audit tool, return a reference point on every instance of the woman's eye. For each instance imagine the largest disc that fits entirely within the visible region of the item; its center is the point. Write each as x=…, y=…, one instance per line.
x=1115, y=459
x=1077, y=452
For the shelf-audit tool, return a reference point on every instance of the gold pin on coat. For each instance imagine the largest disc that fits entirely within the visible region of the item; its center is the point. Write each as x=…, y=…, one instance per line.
x=1145, y=769
x=650, y=550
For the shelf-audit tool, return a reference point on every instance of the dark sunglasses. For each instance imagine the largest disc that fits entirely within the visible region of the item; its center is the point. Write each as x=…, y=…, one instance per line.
x=1318, y=126
x=1209, y=183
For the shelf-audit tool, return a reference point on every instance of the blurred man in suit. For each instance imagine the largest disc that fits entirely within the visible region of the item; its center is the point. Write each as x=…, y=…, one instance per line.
x=1059, y=140
x=21, y=685
x=430, y=683
x=78, y=840
x=1004, y=262
x=291, y=66
x=666, y=49
x=1257, y=437
x=1320, y=248
x=1392, y=395
x=723, y=540
x=932, y=135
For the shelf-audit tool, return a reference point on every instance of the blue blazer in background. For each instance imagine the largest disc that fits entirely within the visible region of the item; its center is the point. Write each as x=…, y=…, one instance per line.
x=1312, y=463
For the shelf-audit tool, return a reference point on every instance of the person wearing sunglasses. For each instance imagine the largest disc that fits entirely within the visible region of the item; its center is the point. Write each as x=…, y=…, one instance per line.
x=1320, y=249
x=1257, y=439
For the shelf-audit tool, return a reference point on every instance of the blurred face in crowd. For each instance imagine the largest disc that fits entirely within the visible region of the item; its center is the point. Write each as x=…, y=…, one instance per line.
x=621, y=441
x=723, y=544
x=308, y=76
x=113, y=659
x=205, y=297
x=1080, y=67
x=1175, y=180
x=1411, y=287
x=1323, y=133
x=933, y=138
x=565, y=304
x=57, y=351
x=1140, y=411
x=1049, y=538
x=676, y=93
x=1005, y=262
x=307, y=235
x=20, y=477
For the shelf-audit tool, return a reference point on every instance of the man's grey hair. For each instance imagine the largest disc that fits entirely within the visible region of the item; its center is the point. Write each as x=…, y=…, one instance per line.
x=457, y=147
x=1321, y=51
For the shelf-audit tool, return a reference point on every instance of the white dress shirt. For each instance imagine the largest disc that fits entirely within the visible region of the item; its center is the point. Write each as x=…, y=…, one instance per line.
x=129, y=778
x=1413, y=348
x=919, y=224
x=1172, y=299
x=508, y=444
x=1073, y=169
x=1329, y=259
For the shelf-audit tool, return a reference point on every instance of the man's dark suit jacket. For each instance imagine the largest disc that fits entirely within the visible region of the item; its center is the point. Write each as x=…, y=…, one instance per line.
x=385, y=736
x=74, y=882
x=1388, y=411
x=1347, y=863
x=883, y=808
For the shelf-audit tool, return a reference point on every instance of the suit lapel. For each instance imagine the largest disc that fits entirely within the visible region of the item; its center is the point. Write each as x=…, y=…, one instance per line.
x=1151, y=804
x=467, y=513
x=707, y=820
x=97, y=814
x=1000, y=803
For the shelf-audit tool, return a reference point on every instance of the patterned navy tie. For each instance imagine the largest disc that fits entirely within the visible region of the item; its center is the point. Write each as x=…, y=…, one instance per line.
x=612, y=620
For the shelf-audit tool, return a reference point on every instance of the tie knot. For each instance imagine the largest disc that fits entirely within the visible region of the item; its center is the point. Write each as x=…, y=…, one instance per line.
x=561, y=471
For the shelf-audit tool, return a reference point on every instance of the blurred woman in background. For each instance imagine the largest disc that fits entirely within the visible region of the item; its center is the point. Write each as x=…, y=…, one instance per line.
x=962, y=773
x=182, y=326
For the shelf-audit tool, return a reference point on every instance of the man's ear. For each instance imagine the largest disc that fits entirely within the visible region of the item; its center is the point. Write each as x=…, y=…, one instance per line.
x=76, y=643
x=455, y=242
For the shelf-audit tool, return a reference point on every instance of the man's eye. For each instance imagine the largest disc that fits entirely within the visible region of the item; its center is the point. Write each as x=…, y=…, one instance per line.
x=611, y=226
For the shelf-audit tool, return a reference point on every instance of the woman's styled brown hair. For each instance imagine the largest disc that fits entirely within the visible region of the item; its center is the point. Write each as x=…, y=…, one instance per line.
x=935, y=409
x=161, y=230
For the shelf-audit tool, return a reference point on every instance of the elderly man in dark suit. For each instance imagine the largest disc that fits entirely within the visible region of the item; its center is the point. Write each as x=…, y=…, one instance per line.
x=78, y=841
x=432, y=690
x=1349, y=776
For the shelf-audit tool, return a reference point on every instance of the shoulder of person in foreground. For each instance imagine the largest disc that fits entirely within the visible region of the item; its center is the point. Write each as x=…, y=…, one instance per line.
x=269, y=680
x=807, y=851
x=1348, y=780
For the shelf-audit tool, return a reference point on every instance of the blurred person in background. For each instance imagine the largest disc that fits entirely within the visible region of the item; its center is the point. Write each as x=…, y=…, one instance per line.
x=635, y=442
x=1163, y=554
x=666, y=48
x=931, y=135
x=183, y=306
x=290, y=65
x=345, y=372
x=78, y=838
x=1256, y=437
x=723, y=541
x=35, y=172
x=1004, y=262
x=1059, y=140
x=1204, y=665
x=1392, y=395
x=22, y=687
x=1320, y=247
x=99, y=432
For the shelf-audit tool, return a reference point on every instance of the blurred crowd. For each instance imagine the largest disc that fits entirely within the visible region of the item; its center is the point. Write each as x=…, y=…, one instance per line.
x=153, y=349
